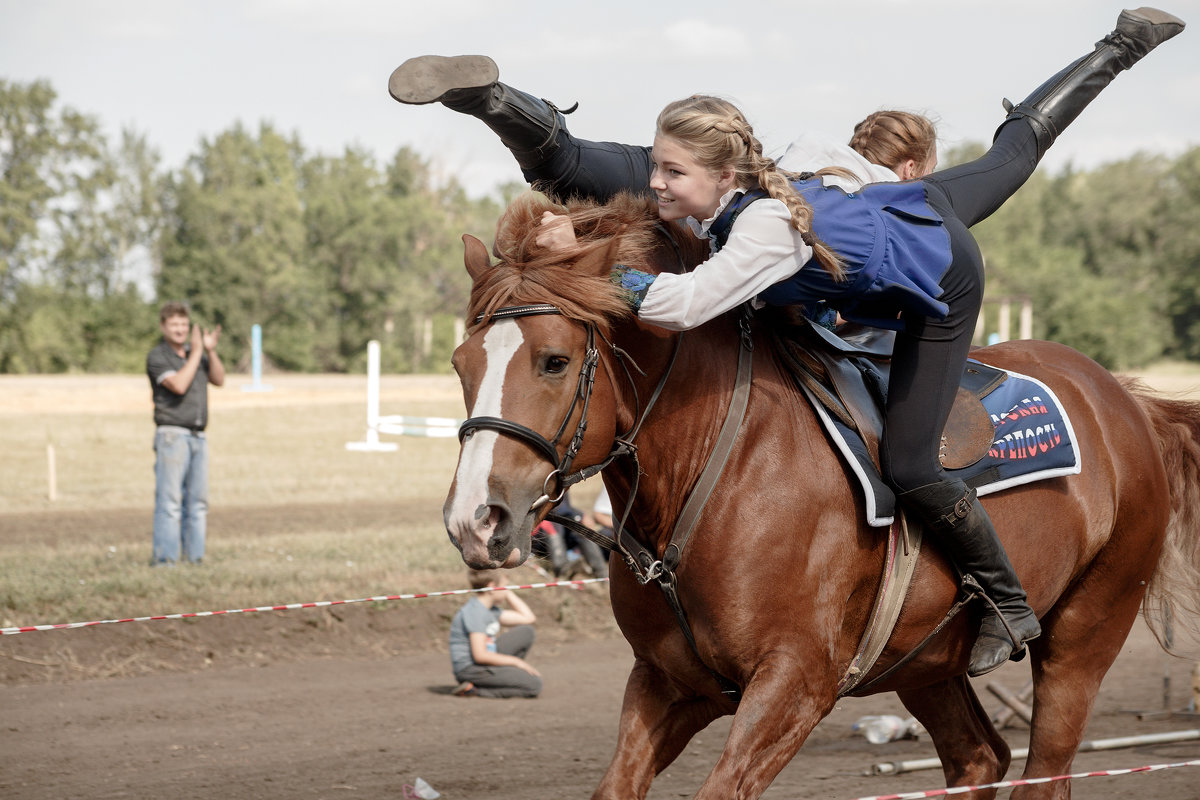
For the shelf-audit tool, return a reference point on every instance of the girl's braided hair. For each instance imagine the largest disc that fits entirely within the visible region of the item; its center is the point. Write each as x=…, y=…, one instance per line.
x=719, y=137
x=890, y=138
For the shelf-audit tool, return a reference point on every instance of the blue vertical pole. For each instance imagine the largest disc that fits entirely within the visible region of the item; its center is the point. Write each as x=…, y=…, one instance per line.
x=256, y=361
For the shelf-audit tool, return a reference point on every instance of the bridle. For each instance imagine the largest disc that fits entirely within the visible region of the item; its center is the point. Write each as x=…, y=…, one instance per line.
x=561, y=474
x=645, y=565
x=642, y=563
x=622, y=444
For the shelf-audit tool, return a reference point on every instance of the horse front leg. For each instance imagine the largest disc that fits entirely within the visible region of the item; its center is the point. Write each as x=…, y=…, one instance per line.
x=657, y=722
x=783, y=702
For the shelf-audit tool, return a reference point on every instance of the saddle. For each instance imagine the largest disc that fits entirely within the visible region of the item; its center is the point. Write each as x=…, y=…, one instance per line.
x=847, y=373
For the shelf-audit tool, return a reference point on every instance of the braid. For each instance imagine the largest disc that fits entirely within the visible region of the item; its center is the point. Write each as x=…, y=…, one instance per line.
x=890, y=138
x=740, y=128
x=721, y=137
x=864, y=133
x=776, y=184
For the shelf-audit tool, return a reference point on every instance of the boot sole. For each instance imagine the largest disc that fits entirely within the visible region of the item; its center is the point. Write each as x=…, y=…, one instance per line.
x=1138, y=19
x=426, y=79
x=1014, y=654
x=1154, y=16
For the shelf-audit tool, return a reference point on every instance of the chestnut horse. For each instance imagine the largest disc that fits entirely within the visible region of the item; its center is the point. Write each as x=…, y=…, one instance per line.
x=778, y=579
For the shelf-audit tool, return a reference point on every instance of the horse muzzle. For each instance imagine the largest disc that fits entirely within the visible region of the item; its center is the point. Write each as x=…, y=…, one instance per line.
x=488, y=536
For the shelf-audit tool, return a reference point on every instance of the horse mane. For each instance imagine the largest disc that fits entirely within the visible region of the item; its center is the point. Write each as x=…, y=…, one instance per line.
x=575, y=280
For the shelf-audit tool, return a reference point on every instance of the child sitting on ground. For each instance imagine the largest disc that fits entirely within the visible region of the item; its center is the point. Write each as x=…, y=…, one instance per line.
x=486, y=662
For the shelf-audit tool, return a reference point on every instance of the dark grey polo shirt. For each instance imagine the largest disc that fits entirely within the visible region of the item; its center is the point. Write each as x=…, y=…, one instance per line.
x=188, y=410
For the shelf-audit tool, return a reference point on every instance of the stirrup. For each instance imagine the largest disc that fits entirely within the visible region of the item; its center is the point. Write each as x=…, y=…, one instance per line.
x=972, y=589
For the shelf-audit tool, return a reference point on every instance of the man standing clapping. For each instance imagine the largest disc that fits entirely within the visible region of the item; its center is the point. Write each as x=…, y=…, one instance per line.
x=180, y=367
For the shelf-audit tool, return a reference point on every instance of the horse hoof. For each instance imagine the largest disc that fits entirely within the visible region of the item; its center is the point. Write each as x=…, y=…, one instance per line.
x=426, y=79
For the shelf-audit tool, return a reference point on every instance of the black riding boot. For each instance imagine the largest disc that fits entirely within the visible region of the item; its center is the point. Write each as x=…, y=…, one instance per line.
x=470, y=85
x=964, y=530
x=1058, y=101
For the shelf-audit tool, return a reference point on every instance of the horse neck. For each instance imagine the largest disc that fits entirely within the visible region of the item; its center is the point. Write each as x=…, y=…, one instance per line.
x=676, y=436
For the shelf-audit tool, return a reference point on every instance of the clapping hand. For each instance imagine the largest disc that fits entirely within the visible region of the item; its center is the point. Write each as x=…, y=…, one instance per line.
x=211, y=337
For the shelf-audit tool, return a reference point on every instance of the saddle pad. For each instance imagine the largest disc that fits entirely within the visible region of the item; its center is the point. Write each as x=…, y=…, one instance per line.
x=1033, y=441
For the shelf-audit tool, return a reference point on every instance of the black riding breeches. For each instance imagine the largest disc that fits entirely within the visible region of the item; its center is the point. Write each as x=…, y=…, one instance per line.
x=593, y=170
x=929, y=354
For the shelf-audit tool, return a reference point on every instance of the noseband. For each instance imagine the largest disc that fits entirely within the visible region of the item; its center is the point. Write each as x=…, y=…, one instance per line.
x=561, y=474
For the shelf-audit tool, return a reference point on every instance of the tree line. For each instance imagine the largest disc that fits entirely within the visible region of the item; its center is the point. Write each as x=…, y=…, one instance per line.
x=327, y=253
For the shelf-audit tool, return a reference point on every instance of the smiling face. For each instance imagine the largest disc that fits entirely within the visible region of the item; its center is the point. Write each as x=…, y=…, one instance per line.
x=175, y=330
x=684, y=188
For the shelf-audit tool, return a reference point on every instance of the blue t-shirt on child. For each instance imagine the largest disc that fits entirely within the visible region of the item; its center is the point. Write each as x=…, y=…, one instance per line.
x=474, y=617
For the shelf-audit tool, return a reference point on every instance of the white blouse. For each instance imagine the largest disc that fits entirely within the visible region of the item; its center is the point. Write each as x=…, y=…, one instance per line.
x=762, y=250
x=814, y=151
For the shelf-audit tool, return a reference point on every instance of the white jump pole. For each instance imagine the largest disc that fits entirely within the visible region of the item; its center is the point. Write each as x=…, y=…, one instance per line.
x=51, y=473
x=396, y=425
x=372, y=443
x=899, y=767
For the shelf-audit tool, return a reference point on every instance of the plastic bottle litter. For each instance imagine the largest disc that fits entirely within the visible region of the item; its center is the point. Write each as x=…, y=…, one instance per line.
x=422, y=790
x=882, y=728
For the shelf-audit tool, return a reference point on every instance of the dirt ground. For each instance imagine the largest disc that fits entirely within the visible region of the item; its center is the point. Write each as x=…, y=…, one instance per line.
x=354, y=702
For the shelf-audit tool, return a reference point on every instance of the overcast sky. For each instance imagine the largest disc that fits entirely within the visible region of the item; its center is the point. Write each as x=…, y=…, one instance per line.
x=181, y=72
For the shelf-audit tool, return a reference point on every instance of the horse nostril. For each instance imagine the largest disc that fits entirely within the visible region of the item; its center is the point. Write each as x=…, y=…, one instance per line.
x=496, y=516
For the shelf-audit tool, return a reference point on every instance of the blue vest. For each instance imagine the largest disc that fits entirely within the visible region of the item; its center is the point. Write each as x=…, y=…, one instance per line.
x=894, y=249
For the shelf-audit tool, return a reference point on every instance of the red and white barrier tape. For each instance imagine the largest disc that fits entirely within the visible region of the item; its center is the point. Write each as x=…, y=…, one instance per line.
x=1108, y=773
x=290, y=606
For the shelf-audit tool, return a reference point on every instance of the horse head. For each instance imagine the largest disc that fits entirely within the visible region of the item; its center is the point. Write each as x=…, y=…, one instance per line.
x=540, y=391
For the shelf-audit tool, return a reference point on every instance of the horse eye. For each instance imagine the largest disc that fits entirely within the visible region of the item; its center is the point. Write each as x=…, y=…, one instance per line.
x=556, y=364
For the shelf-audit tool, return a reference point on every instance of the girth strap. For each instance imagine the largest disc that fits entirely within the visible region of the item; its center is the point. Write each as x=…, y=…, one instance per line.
x=970, y=590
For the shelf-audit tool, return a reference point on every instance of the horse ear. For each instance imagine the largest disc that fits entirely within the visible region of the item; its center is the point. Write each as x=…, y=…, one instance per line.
x=476, y=257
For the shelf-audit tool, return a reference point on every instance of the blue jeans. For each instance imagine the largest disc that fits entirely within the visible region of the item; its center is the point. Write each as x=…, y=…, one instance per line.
x=180, y=495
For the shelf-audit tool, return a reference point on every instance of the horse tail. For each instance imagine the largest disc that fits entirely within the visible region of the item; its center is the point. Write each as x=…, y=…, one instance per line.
x=1173, y=595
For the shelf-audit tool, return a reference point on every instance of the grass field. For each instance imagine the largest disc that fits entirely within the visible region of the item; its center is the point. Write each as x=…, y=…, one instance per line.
x=266, y=448
x=294, y=515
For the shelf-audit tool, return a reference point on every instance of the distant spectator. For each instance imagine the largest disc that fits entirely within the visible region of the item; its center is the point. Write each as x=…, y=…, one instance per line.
x=486, y=662
x=601, y=520
x=569, y=553
x=602, y=512
x=180, y=367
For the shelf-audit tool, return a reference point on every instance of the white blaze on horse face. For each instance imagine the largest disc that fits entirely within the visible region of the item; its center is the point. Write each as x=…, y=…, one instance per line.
x=469, y=512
